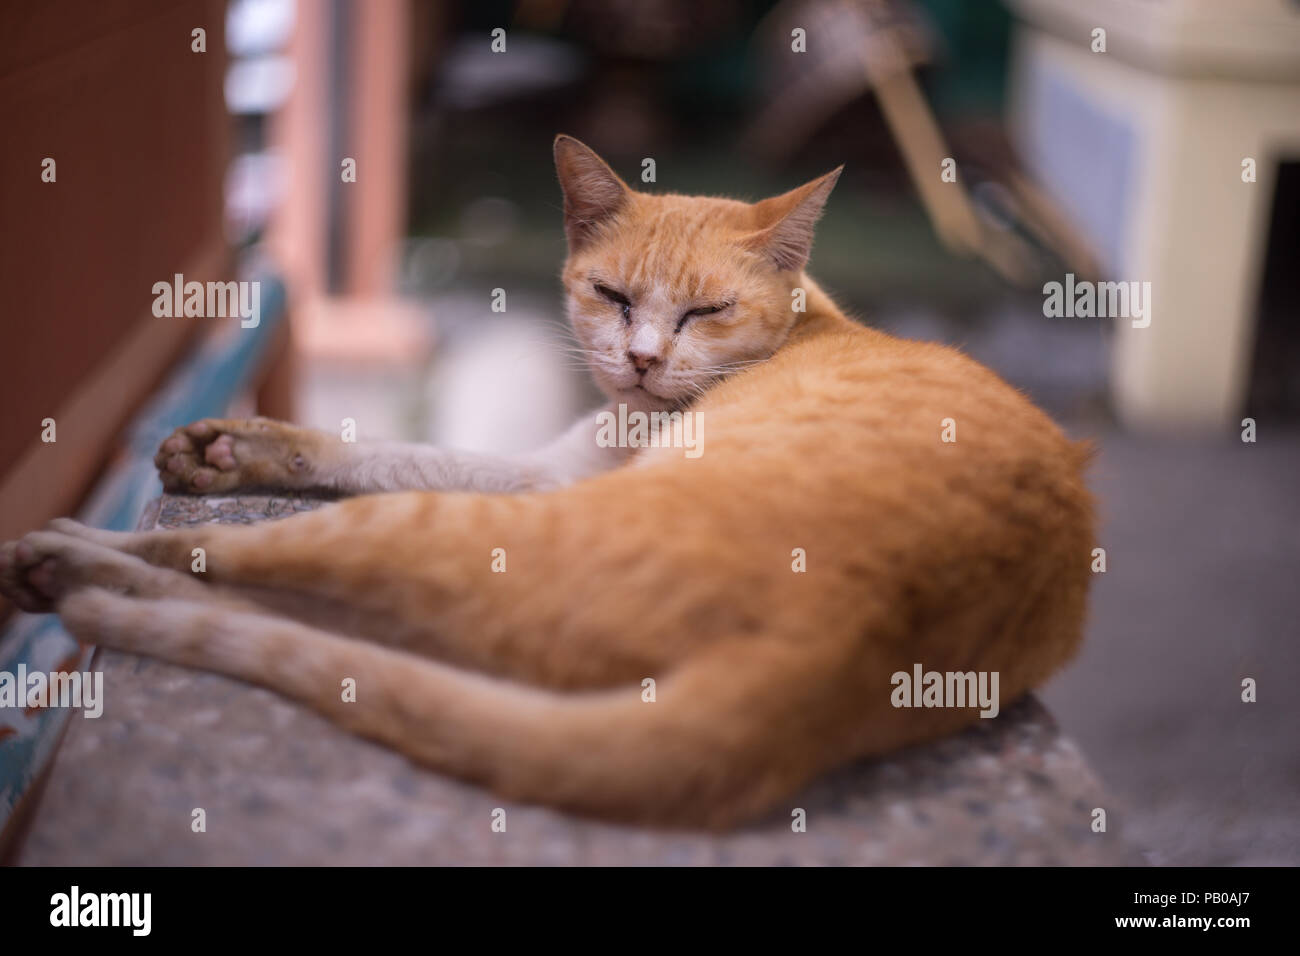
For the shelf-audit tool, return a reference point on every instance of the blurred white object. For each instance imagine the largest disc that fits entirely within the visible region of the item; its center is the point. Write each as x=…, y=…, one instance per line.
x=473, y=76
x=259, y=84
x=1144, y=145
x=255, y=27
x=254, y=184
x=503, y=386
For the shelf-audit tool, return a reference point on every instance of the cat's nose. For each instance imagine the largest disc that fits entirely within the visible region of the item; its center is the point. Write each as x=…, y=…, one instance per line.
x=642, y=359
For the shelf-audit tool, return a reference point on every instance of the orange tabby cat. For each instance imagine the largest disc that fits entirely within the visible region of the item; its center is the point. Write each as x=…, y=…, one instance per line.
x=824, y=537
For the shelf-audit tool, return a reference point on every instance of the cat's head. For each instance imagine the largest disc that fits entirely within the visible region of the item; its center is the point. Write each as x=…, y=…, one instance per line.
x=668, y=293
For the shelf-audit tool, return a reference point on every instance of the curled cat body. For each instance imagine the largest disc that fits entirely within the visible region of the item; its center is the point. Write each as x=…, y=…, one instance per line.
x=634, y=633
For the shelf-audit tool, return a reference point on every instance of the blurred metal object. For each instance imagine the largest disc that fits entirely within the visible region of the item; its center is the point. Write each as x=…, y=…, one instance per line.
x=888, y=69
x=801, y=91
x=874, y=45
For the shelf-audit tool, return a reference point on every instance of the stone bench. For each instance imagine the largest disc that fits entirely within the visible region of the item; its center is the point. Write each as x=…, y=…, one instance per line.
x=280, y=785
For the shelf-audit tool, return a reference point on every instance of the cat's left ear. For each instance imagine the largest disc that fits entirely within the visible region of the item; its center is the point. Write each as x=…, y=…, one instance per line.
x=592, y=191
x=786, y=222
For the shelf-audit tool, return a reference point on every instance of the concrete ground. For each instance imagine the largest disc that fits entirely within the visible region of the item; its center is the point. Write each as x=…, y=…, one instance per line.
x=1201, y=591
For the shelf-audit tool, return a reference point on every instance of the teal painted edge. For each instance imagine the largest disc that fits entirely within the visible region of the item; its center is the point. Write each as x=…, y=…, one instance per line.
x=202, y=386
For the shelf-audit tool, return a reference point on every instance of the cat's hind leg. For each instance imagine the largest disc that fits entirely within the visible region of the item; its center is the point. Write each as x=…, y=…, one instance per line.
x=701, y=752
x=38, y=568
x=416, y=570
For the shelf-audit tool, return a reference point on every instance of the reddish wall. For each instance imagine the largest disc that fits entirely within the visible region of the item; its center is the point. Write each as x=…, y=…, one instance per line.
x=136, y=124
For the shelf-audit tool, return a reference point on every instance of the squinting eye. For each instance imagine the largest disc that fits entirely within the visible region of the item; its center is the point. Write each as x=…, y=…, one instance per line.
x=618, y=298
x=702, y=310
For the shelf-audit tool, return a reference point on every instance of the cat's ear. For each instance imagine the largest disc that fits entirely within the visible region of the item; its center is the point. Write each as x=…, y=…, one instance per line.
x=786, y=222
x=592, y=192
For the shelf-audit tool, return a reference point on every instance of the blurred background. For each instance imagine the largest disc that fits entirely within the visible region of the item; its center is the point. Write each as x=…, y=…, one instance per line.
x=388, y=163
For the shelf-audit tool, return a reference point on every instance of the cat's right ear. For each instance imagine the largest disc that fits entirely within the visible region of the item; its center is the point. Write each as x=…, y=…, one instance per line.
x=592, y=192
x=787, y=222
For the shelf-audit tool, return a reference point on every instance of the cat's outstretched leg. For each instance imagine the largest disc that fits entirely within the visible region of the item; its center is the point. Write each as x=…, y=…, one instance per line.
x=223, y=454
x=40, y=567
x=36, y=569
x=699, y=753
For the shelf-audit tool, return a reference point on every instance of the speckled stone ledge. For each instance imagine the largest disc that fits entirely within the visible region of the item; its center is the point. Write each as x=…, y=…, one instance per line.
x=280, y=785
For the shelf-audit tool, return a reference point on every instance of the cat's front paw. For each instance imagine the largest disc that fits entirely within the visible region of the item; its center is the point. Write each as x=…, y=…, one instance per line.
x=199, y=458
x=219, y=454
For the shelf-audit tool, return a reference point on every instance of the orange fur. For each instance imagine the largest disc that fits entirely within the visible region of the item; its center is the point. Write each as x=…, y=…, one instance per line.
x=971, y=555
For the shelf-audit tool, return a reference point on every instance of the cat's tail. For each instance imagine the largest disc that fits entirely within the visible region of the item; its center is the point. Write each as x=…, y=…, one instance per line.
x=721, y=738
